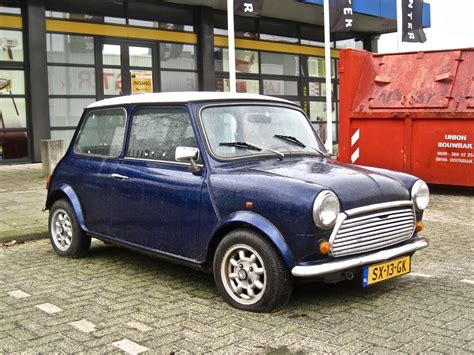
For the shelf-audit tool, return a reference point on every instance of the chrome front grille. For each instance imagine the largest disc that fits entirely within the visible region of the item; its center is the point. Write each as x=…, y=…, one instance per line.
x=372, y=227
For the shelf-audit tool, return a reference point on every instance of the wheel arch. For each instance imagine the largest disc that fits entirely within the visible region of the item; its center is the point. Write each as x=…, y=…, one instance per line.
x=256, y=223
x=67, y=192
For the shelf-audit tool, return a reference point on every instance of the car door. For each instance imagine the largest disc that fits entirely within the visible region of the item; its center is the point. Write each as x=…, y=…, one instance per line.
x=97, y=150
x=156, y=203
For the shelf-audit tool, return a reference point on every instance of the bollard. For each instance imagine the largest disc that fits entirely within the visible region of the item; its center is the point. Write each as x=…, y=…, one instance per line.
x=52, y=150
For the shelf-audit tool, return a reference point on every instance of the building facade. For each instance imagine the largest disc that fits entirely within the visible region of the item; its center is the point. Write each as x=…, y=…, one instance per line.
x=59, y=56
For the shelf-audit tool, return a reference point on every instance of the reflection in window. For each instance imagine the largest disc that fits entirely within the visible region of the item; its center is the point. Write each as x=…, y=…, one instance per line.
x=111, y=54
x=11, y=43
x=179, y=81
x=280, y=87
x=102, y=133
x=71, y=80
x=276, y=38
x=69, y=49
x=245, y=61
x=9, y=118
x=67, y=112
x=279, y=64
x=112, y=81
x=64, y=134
x=156, y=133
x=242, y=85
x=13, y=145
x=17, y=82
x=140, y=56
x=177, y=56
x=317, y=67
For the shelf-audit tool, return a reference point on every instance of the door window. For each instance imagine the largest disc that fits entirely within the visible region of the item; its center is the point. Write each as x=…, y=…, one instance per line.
x=156, y=132
x=102, y=133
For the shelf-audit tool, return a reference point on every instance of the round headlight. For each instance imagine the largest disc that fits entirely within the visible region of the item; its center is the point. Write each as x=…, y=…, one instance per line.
x=325, y=210
x=420, y=195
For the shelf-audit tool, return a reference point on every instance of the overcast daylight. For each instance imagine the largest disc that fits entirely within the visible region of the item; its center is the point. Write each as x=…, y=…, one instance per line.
x=236, y=177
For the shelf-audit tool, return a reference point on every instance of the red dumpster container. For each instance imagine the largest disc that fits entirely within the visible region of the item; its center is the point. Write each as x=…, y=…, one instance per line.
x=412, y=112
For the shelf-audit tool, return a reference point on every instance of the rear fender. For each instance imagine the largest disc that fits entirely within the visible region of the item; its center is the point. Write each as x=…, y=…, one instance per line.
x=67, y=191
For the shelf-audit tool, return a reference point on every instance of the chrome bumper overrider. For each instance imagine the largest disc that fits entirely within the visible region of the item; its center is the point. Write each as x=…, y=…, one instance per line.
x=379, y=256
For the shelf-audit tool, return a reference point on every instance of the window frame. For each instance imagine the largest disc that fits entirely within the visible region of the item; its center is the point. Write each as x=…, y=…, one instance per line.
x=185, y=108
x=77, y=134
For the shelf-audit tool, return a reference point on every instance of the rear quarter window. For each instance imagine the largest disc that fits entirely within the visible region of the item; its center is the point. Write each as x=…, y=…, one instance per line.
x=102, y=133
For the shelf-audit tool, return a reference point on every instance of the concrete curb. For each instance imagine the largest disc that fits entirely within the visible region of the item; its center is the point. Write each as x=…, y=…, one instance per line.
x=24, y=235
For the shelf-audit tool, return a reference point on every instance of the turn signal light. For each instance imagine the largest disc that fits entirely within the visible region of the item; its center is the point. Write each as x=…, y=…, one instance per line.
x=324, y=247
x=48, y=180
x=419, y=226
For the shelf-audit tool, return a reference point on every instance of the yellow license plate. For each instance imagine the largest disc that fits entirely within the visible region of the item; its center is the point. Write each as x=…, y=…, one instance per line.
x=387, y=270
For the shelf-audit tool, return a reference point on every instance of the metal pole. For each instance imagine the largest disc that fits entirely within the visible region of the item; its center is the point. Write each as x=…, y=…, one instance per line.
x=327, y=59
x=231, y=44
x=399, y=24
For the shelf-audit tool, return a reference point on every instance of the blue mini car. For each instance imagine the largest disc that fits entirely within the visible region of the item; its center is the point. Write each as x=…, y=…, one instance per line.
x=234, y=183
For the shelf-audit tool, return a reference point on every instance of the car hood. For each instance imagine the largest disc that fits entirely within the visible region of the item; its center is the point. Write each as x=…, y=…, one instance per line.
x=355, y=186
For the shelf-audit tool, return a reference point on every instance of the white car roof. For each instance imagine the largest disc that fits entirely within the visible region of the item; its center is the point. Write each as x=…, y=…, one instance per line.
x=182, y=97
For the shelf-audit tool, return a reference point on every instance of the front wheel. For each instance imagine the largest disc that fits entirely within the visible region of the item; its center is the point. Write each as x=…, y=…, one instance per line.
x=250, y=274
x=67, y=237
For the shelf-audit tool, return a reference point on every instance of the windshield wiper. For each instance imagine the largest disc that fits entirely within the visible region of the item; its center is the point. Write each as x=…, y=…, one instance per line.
x=241, y=145
x=251, y=146
x=298, y=143
x=291, y=139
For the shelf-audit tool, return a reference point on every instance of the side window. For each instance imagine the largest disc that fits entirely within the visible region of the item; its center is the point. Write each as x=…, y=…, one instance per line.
x=156, y=132
x=103, y=133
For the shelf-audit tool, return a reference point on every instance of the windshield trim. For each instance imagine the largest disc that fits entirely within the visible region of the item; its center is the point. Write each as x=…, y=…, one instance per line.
x=252, y=103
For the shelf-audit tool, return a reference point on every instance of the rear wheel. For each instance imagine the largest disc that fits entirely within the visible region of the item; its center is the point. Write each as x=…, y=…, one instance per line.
x=67, y=237
x=250, y=274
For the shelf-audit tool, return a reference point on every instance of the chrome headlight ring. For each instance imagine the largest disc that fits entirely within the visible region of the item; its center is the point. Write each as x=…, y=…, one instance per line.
x=326, y=208
x=420, y=195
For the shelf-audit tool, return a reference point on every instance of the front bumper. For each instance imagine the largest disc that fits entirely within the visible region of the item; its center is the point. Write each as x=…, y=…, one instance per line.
x=379, y=256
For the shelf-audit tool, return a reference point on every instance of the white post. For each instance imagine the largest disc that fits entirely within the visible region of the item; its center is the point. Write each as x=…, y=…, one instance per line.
x=327, y=59
x=231, y=44
x=399, y=25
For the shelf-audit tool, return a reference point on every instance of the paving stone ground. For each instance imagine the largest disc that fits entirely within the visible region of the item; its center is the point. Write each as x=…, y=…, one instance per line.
x=22, y=196
x=115, y=300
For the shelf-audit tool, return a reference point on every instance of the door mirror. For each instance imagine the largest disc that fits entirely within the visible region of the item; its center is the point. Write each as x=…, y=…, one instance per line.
x=188, y=155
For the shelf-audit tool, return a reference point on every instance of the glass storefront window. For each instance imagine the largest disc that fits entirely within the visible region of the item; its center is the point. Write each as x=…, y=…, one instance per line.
x=177, y=56
x=111, y=54
x=64, y=134
x=11, y=43
x=317, y=111
x=275, y=38
x=67, y=112
x=243, y=85
x=245, y=61
x=178, y=81
x=112, y=81
x=10, y=10
x=70, y=49
x=13, y=145
x=317, y=68
x=280, y=87
x=115, y=20
x=316, y=89
x=17, y=82
x=143, y=23
x=71, y=80
x=279, y=64
x=140, y=56
x=9, y=118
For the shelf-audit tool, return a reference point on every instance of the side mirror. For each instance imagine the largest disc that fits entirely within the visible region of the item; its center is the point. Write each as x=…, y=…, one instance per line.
x=188, y=155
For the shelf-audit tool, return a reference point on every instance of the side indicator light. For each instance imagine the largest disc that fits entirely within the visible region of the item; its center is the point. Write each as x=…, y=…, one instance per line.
x=48, y=180
x=249, y=205
x=419, y=226
x=324, y=247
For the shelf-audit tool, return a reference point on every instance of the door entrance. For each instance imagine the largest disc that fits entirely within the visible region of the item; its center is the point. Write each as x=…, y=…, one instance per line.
x=127, y=68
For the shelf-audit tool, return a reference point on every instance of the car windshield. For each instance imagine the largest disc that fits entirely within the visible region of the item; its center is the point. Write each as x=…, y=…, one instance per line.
x=246, y=130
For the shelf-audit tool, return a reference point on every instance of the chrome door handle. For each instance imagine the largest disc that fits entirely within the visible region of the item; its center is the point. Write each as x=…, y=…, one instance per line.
x=119, y=177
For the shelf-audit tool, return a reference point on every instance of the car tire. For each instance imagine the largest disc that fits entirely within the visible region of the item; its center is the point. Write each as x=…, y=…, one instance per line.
x=250, y=274
x=65, y=233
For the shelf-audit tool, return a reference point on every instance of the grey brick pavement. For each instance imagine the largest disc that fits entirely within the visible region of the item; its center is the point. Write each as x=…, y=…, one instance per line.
x=22, y=196
x=136, y=302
